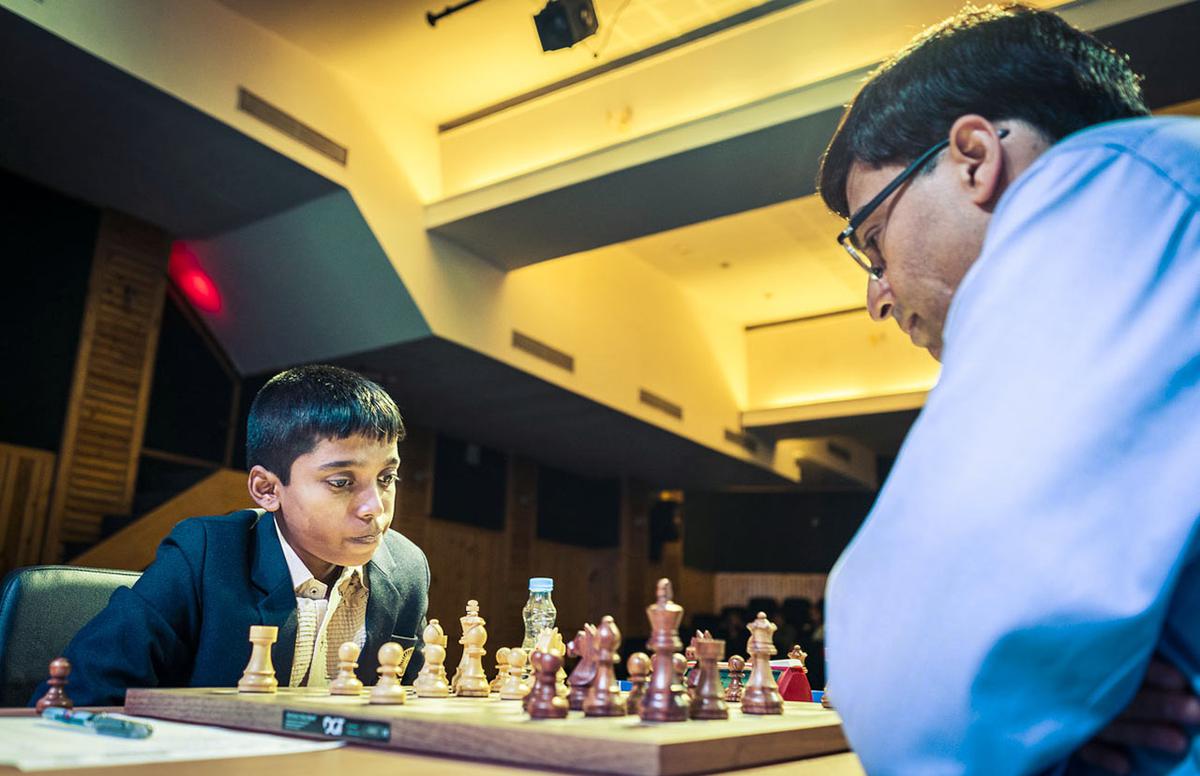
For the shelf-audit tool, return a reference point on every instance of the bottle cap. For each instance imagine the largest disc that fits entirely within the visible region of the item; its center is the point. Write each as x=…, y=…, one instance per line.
x=540, y=584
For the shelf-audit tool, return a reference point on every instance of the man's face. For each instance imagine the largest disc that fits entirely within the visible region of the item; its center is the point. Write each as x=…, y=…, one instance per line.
x=339, y=501
x=925, y=235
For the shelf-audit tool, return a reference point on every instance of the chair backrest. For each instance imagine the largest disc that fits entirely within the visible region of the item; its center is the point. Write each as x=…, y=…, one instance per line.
x=41, y=608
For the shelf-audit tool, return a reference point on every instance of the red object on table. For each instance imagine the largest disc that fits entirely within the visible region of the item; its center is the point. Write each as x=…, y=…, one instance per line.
x=794, y=686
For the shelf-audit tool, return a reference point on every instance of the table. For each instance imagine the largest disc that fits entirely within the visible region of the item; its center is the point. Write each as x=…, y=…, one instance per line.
x=367, y=761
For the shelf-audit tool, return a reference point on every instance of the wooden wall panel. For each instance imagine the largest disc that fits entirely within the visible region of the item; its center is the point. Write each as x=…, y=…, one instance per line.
x=494, y=567
x=106, y=412
x=26, y=476
x=415, y=497
x=465, y=563
x=637, y=589
x=586, y=586
x=735, y=589
x=696, y=591
x=693, y=588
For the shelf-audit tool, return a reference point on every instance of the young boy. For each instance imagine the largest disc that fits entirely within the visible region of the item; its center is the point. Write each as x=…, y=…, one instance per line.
x=317, y=560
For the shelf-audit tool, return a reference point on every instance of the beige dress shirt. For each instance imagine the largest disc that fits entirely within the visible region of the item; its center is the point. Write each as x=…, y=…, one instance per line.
x=345, y=603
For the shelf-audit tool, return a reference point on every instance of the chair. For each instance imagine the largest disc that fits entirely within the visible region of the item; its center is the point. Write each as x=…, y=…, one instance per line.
x=41, y=608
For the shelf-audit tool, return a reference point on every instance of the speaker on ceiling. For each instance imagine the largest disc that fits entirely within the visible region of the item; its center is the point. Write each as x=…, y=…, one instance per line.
x=563, y=23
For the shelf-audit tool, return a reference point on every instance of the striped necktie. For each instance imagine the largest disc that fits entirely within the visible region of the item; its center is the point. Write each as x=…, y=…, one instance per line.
x=308, y=593
x=347, y=620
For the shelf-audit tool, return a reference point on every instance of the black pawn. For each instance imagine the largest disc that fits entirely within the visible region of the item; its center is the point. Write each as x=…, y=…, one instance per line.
x=60, y=669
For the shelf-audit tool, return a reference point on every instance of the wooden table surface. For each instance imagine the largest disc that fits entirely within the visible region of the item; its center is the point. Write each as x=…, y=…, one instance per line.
x=367, y=761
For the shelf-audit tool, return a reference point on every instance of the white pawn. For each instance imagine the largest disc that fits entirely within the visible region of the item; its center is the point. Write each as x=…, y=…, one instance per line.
x=501, y=669
x=431, y=681
x=388, y=689
x=346, y=682
x=514, y=688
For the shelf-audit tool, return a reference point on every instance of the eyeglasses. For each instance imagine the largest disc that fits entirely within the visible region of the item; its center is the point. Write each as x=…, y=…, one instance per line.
x=848, y=236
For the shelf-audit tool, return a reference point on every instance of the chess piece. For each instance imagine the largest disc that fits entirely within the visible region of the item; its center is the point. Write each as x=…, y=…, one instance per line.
x=737, y=667
x=793, y=685
x=679, y=664
x=556, y=645
x=60, y=669
x=388, y=690
x=501, y=668
x=431, y=680
x=707, y=702
x=551, y=639
x=540, y=644
x=472, y=681
x=692, y=670
x=466, y=621
x=548, y=640
x=259, y=675
x=826, y=701
x=761, y=695
x=514, y=687
x=604, y=697
x=346, y=683
x=665, y=699
x=585, y=671
x=639, y=672
x=544, y=700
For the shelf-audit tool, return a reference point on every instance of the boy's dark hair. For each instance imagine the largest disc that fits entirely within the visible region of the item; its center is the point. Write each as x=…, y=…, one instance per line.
x=1001, y=62
x=298, y=408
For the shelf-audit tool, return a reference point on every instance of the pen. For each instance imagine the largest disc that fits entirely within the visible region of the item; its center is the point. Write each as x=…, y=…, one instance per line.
x=101, y=723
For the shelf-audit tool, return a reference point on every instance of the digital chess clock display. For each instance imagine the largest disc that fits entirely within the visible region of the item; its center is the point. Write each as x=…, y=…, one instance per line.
x=335, y=726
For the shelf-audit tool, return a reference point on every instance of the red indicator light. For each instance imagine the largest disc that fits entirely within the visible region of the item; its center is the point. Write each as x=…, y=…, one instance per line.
x=193, y=281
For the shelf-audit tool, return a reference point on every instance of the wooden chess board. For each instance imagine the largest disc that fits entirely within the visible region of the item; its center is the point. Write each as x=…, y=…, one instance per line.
x=492, y=729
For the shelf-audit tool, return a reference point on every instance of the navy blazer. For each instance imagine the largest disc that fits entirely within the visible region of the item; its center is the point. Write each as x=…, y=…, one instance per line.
x=186, y=621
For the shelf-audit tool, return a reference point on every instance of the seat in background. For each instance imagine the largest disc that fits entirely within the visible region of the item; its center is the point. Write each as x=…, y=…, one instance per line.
x=41, y=608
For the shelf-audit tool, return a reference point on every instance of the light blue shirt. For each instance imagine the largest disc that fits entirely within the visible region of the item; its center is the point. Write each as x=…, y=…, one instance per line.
x=1036, y=540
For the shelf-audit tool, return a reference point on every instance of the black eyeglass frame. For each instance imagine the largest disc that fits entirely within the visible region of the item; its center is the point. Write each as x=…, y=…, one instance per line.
x=846, y=237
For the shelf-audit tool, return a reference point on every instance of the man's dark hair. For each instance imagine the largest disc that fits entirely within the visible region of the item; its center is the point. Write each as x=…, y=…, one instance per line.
x=1000, y=62
x=298, y=408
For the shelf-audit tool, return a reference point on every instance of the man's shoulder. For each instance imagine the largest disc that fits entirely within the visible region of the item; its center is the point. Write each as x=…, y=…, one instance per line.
x=1168, y=144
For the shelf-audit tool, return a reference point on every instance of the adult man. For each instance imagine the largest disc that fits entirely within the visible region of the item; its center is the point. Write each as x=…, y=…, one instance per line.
x=317, y=560
x=1039, y=522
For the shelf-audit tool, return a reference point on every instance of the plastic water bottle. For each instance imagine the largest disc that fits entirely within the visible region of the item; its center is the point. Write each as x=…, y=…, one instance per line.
x=539, y=611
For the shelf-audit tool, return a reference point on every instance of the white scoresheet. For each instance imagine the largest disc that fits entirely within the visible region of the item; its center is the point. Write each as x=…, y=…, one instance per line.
x=34, y=744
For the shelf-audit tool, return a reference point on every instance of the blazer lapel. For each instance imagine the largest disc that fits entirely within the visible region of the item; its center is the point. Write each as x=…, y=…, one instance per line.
x=384, y=601
x=277, y=602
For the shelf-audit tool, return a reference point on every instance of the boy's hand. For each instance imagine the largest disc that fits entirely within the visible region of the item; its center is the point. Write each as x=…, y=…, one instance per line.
x=1154, y=719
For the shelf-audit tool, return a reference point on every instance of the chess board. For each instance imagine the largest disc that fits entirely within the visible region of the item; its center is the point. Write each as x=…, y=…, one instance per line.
x=496, y=730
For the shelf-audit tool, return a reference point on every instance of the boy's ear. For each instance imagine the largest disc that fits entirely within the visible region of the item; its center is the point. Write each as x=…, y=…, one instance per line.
x=264, y=488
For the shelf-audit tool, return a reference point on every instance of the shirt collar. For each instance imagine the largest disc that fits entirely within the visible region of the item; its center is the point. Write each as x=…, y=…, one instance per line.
x=301, y=573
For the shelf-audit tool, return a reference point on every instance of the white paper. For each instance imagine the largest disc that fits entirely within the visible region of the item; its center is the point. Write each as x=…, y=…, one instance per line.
x=34, y=744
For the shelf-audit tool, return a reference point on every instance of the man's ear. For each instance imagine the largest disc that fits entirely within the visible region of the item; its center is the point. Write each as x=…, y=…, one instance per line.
x=264, y=488
x=978, y=158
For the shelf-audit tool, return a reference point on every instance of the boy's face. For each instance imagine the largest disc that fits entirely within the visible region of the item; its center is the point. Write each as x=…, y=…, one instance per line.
x=338, y=501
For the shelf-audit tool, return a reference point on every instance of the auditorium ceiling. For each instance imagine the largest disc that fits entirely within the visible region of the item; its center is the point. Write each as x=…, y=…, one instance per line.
x=640, y=206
